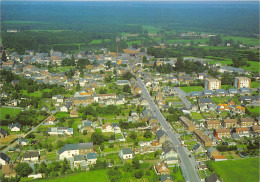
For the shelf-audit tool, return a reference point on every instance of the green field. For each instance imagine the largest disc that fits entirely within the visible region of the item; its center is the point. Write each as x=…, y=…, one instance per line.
x=255, y=109
x=98, y=175
x=254, y=66
x=195, y=115
x=242, y=170
x=244, y=40
x=151, y=29
x=255, y=84
x=98, y=41
x=11, y=111
x=192, y=88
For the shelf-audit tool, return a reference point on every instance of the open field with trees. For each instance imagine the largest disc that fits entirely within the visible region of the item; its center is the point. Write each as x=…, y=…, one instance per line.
x=8, y=111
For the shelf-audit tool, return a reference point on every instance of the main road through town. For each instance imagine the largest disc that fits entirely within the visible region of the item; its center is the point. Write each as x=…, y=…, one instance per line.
x=188, y=164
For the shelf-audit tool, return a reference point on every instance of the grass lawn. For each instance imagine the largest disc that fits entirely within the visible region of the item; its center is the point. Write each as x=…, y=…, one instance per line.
x=11, y=111
x=98, y=41
x=226, y=87
x=255, y=84
x=195, y=115
x=255, y=109
x=244, y=40
x=97, y=175
x=34, y=94
x=64, y=68
x=254, y=66
x=61, y=114
x=192, y=88
x=238, y=170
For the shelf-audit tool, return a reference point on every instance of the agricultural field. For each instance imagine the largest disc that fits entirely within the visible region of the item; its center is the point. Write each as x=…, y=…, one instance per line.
x=97, y=175
x=195, y=115
x=98, y=41
x=237, y=170
x=11, y=111
x=244, y=40
x=192, y=88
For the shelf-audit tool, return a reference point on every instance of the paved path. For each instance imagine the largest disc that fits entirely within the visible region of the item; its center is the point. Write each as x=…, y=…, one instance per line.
x=188, y=165
x=182, y=95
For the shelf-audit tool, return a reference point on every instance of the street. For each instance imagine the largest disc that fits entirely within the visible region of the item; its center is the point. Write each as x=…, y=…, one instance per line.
x=188, y=165
x=182, y=95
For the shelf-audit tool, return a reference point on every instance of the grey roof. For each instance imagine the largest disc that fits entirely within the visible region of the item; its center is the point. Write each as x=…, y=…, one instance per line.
x=91, y=156
x=233, y=91
x=3, y=131
x=79, y=157
x=196, y=93
x=160, y=133
x=165, y=177
x=18, y=125
x=212, y=178
x=205, y=100
x=167, y=146
x=4, y=157
x=127, y=151
x=20, y=140
x=244, y=90
x=31, y=154
x=207, y=92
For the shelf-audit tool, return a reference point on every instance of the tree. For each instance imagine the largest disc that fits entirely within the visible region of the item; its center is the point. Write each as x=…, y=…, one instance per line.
x=85, y=132
x=145, y=59
x=4, y=58
x=7, y=116
x=78, y=87
x=108, y=64
x=23, y=169
x=139, y=174
x=97, y=138
x=136, y=163
x=147, y=134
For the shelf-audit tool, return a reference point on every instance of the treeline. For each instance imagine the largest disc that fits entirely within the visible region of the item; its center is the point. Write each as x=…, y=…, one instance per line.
x=97, y=110
x=182, y=51
x=26, y=118
x=26, y=84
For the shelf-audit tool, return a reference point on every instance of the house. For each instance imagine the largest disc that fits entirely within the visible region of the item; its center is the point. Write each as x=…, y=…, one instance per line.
x=87, y=126
x=161, y=168
x=107, y=128
x=126, y=153
x=213, y=124
x=74, y=113
x=229, y=123
x=69, y=150
x=116, y=128
x=91, y=158
x=23, y=141
x=243, y=131
x=208, y=93
x=60, y=131
x=246, y=122
x=220, y=133
x=206, y=101
x=212, y=152
x=50, y=120
x=220, y=92
x=213, y=178
x=15, y=127
x=8, y=170
x=198, y=149
x=161, y=136
x=242, y=82
x=166, y=178
x=169, y=154
x=195, y=94
x=3, y=133
x=31, y=156
x=205, y=140
x=58, y=98
x=4, y=159
x=255, y=130
x=187, y=123
x=122, y=82
x=78, y=159
x=212, y=84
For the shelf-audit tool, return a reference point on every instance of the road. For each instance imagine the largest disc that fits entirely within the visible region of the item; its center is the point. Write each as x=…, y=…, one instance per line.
x=182, y=95
x=34, y=129
x=188, y=165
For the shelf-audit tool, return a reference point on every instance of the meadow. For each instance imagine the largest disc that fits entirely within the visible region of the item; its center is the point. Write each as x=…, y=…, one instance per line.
x=11, y=111
x=242, y=170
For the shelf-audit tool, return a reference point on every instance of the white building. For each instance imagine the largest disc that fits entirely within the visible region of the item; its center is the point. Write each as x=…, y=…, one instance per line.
x=242, y=82
x=126, y=153
x=212, y=84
